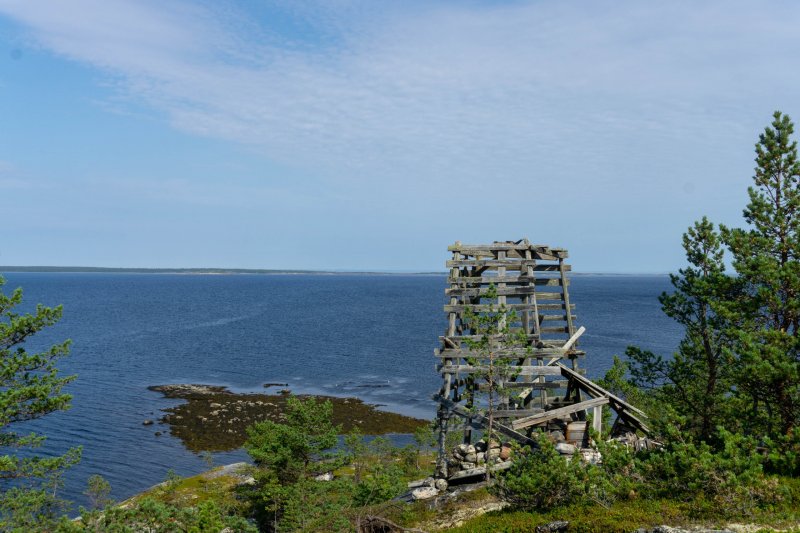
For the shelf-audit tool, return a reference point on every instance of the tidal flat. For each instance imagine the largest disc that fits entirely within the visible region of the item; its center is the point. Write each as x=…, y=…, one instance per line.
x=214, y=419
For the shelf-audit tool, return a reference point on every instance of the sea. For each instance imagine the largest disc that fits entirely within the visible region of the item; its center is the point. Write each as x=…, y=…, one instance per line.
x=361, y=335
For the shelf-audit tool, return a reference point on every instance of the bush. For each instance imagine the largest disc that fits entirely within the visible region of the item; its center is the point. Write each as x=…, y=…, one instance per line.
x=542, y=479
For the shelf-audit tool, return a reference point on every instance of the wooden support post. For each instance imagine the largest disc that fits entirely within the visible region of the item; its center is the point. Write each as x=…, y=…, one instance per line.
x=597, y=419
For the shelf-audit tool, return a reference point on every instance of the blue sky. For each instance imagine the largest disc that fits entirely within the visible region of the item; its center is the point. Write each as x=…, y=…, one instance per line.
x=369, y=135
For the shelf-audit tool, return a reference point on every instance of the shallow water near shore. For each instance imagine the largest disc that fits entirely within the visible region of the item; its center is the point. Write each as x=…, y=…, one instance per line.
x=365, y=336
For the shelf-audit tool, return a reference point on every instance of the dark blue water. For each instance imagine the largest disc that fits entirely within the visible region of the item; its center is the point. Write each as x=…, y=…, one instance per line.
x=353, y=335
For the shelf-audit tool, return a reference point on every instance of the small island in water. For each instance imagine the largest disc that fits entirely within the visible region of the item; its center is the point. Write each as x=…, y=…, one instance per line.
x=215, y=419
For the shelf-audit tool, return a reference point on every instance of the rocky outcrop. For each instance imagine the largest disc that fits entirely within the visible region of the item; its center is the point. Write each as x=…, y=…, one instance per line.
x=465, y=458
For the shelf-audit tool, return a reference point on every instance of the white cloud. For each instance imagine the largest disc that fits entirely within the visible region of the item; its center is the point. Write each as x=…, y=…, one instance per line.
x=433, y=88
x=611, y=106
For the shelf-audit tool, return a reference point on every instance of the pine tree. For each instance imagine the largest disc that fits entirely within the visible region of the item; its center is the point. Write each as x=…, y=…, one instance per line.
x=765, y=256
x=697, y=381
x=30, y=388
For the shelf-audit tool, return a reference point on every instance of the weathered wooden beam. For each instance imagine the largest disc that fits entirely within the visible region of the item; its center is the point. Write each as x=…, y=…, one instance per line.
x=516, y=413
x=483, y=308
x=457, y=339
x=476, y=417
x=473, y=281
x=510, y=264
x=554, y=329
x=507, y=353
x=596, y=390
x=560, y=384
x=558, y=413
x=503, y=291
x=515, y=370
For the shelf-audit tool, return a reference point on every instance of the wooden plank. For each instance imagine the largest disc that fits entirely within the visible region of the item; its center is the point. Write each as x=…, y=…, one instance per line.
x=455, y=340
x=516, y=413
x=543, y=253
x=518, y=370
x=477, y=417
x=558, y=413
x=559, y=329
x=471, y=281
x=485, y=308
x=560, y=384
x=502, y=290
x=510, y=264
x=555, y=317
x=565, y=295
x=521, y=245
x=596, y=390
x=506, y=353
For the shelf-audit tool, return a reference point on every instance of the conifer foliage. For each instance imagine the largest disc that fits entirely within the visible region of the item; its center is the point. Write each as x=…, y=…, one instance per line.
x=30, y=387
x=741, y=351
x=766, y=257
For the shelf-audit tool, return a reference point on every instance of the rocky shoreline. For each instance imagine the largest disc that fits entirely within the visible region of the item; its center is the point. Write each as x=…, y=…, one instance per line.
x=214, y=419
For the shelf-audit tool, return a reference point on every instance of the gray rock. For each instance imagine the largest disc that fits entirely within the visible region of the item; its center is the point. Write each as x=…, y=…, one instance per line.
x=553, y=527
x=427, y=482
x=440, y=485
x=424, y=493
x=593, y=457
x=327, y=476
x=565, y=448
x=471, y=457
x=147, y=422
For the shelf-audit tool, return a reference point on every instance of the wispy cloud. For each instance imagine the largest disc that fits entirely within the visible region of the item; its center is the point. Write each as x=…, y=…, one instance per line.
x=432, y=87
x=625, y=110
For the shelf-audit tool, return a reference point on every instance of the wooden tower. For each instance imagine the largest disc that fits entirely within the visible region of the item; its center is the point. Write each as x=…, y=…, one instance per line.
x=527, y=286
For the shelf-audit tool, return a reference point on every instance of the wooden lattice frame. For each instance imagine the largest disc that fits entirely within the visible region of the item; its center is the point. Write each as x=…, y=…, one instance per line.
x=532, y=281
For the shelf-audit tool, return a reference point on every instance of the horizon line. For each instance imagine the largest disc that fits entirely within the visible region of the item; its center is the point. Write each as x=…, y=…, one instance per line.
x=234, y=270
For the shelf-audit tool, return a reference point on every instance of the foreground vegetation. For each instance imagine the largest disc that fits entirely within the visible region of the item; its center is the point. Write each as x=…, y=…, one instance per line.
x=725, y=409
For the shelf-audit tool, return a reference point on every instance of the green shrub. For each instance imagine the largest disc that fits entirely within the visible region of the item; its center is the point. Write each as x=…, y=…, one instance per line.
x=542, y=479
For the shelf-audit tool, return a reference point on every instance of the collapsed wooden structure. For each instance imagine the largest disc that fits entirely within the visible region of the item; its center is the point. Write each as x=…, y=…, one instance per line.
x=523, y=352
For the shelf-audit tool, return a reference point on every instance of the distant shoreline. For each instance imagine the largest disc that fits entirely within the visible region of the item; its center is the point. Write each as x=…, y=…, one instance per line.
x=234, y=271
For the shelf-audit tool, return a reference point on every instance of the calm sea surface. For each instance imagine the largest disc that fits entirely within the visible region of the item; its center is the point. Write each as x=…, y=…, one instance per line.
x=351, y=335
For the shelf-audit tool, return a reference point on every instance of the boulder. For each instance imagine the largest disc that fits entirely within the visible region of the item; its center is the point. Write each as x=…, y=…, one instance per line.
x=565, y=448
x=424, y=493
x=505, y=453
x=593, y=457
x=147, y=422
x=440, y=485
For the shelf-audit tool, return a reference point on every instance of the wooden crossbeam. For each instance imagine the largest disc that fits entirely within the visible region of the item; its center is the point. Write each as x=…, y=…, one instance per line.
x=472, y=292
x=485, y=308
x=511, y=264
x=506, y=353
x=512, y=370
x=470, y=281
x=500, y=428
x=557, y=413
